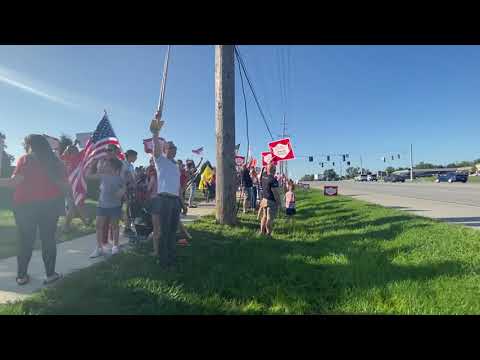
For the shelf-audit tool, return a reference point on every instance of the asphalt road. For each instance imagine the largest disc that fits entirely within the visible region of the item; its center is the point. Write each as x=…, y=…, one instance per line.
x=456, y=203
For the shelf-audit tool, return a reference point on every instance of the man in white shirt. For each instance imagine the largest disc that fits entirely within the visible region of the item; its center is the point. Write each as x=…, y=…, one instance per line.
x=166, y=206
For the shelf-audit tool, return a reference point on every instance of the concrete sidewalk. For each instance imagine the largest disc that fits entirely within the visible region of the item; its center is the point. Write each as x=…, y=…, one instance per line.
x=71, y=256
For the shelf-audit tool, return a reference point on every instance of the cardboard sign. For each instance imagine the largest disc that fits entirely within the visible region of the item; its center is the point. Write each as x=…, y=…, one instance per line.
x=267, y=157
x=282, y=150
x=83, y=138
x=239, y=160
x=53, y=142
x=148, y=145
x=330, y=190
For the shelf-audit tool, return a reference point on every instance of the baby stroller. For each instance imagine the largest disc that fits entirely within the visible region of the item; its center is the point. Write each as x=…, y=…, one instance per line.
x=139, y=211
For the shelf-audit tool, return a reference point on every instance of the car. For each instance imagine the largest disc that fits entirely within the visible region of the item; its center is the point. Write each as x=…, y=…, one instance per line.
x=372, y=177
x=361, y=178
x=394, y=178
x=452, y=177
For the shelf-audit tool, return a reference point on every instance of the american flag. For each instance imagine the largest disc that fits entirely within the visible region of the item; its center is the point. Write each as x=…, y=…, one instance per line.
x=198, y=151
x=95, y=149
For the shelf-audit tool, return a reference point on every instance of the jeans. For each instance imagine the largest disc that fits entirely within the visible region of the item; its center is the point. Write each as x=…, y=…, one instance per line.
x=192, y=194
x=168, y=210
x=41, y=215
x=253, y=197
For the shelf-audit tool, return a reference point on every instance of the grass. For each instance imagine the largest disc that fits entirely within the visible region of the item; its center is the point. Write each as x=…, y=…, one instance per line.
x=344, y=257
x=8, y=243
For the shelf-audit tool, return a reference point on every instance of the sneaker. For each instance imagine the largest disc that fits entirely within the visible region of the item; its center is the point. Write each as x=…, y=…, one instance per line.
x=115, y=250
x=97, y=252
x=52, y=279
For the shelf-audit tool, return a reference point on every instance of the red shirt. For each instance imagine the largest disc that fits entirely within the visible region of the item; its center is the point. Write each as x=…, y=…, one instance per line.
x=183, y=178
x=36, y=185
x=71, y=161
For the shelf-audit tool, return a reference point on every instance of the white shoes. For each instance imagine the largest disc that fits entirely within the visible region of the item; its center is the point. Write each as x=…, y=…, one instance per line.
x=97, y=252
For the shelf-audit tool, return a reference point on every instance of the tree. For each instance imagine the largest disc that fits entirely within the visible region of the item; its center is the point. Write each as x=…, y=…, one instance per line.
x=307, y=177
x=7, y=160
x=389, y=169
x=330, y=174
x=351, y=172
x=65, y=141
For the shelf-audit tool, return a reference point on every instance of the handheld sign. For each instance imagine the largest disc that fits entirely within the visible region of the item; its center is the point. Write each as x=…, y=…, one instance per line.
x=82, y=138
x=281, y=150
x=239, y=160
x=266, y=158
x=330, y=190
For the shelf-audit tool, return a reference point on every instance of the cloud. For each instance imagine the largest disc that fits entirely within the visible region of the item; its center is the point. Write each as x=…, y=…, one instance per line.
x=11, y=80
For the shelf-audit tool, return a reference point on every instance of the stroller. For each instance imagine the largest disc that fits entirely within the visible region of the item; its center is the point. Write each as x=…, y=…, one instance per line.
x=139, y=211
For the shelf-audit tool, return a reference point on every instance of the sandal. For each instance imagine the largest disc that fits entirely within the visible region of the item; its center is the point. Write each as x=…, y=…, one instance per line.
x=52, y=279
x=23, y=280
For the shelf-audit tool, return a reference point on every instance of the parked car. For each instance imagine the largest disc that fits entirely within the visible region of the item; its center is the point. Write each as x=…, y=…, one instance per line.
x=361, y=178
x=452, y=177
x=394, y=178
x=372, y=177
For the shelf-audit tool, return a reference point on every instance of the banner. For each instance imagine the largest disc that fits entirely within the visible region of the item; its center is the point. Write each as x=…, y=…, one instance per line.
x=82, y=138
x=198, y=151
x=282, y=150
x=239, y=160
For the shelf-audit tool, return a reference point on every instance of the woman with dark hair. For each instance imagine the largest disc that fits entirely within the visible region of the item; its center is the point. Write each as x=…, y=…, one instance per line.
x=40, y=184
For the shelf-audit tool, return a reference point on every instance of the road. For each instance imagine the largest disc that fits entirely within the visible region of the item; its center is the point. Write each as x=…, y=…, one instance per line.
x=455, y=203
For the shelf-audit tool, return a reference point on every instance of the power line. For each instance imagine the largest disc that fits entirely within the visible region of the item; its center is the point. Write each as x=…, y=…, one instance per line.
x=242, y=63
x=245, y=106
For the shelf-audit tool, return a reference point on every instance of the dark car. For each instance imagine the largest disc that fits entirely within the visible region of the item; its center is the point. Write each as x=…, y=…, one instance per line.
x=394, y=178
x=452, y=177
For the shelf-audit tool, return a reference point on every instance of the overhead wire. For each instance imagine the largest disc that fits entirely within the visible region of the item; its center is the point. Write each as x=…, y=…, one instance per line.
x=245, y=107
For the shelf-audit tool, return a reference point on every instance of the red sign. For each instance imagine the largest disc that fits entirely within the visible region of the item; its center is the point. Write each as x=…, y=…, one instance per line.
x=330, y=190
x=282, y=150
x=267, y=157
x=239, y=160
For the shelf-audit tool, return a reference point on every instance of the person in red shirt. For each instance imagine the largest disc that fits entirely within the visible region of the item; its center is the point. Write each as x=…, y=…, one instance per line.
x=40, y=184
x=71, y=157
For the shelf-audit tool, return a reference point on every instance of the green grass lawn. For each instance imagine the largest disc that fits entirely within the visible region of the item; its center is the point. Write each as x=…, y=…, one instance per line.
x=343, y=257
x=8, y=240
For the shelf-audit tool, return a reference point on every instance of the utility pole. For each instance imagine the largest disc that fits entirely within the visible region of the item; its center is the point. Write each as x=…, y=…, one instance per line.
x=2, y=146
x=411, y=162
x=225, y=133
x=361, y=166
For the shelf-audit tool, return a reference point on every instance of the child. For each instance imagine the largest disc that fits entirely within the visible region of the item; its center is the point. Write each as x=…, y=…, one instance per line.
x=109, y=210
x=290, y=202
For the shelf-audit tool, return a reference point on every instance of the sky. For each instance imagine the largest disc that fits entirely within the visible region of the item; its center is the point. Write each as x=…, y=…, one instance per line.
x=365, y=101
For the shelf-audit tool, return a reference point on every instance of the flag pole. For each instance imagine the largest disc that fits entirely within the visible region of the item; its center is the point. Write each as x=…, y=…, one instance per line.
x=161, y=98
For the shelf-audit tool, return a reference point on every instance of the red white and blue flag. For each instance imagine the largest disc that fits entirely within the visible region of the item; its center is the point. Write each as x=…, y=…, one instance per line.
x=198, y=151
x=95, y=149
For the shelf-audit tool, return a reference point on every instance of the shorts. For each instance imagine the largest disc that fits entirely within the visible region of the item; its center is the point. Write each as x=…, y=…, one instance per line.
x=112, y=213
x=290, y=211
x=271, y=208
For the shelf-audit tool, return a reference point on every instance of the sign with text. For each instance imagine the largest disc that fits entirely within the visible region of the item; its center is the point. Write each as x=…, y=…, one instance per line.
x=148, y=145
x=239, y=160
x=266, y=158
x=330, y=190
x=281, y=150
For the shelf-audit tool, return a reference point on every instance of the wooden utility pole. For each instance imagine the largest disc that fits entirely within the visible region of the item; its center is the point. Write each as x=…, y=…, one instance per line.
x=225, y=133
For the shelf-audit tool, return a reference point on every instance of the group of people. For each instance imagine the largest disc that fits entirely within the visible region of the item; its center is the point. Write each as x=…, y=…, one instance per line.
x=40, y=183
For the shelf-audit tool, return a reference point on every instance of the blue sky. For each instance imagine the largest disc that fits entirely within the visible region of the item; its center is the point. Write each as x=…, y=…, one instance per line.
x=367, y=101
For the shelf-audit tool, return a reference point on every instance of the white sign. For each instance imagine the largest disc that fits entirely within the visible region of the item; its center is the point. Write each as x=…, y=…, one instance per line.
x=83, y=138
x=281, y=150
x=267, y=158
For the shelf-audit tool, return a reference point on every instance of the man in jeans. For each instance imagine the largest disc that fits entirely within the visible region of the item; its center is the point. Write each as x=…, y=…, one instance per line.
x=167, y=204
x=247, y=185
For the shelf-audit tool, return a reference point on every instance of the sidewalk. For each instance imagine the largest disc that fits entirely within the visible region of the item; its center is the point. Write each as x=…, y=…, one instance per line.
x=71, y=256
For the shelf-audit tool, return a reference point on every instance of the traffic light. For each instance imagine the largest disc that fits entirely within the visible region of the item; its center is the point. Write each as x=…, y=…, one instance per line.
x=328, y=157
x=393, y=157
x=343, y=157
x=333, y=163
x=348, y=163
x=321, y=164
x=310, y=158
x=398, y=156
x=384, y=159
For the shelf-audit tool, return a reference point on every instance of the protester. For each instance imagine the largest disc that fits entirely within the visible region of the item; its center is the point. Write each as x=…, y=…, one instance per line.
x=271, y=202
x=71, y=157
x=194, y=179
x=128, y=174
x=109, y=210
x=40, y=186
x=247, y=188
x=290, y=209
x=183, y=184
x=254, y=177
x=166, y=206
